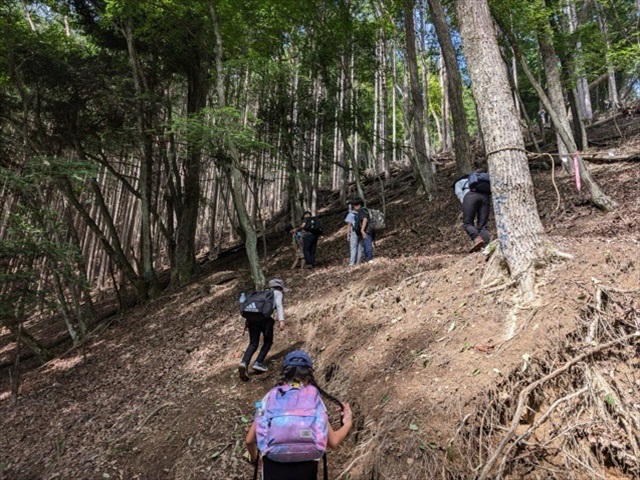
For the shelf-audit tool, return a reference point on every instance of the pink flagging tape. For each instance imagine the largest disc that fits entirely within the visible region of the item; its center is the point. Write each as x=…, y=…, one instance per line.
x=576, y=169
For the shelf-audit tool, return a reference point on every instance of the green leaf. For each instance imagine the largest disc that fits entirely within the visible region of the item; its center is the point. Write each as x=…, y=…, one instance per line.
x=413, y=426
x=610, y=400
x=475, y=372
x=244, y=419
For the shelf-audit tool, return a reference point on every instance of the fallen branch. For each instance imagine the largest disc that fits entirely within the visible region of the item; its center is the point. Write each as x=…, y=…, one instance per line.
x=524, y=394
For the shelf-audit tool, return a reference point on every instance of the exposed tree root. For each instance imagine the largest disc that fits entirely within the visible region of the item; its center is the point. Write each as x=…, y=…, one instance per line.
x=534, y=421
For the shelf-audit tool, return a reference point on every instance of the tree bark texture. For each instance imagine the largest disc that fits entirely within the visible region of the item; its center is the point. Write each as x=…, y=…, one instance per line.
x=519, y=229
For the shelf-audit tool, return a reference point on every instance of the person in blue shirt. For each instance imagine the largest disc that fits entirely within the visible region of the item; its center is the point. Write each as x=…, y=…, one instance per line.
x=356, y=250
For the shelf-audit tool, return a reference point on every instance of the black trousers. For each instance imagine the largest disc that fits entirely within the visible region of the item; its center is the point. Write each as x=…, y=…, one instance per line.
x=476, y=205
x=257, y=327
x=310, y=242
x=289, y=471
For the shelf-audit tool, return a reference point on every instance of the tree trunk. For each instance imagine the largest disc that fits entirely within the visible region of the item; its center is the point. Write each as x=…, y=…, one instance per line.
x=187, y=222
x=520, y=231
x=146, y=163
x=598, y=197
x=235, y=176
x=420, y=158
x=555, y=93
x=611, y=74
x=583, y=96
x=461, y=144
x=40, y=351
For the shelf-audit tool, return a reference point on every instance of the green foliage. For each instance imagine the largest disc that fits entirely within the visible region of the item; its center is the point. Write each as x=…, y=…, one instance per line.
x=215, y=129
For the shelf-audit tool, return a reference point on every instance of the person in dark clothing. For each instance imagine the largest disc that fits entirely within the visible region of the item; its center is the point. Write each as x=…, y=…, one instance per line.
x=363, y=228
x=475, y=205
x=264, y=327
x=310, y=241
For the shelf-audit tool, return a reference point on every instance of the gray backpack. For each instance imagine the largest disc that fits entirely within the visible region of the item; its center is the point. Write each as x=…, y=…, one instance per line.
x=376, y=220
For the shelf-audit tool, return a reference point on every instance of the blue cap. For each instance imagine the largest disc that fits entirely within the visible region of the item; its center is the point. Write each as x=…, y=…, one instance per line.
x=298, y=358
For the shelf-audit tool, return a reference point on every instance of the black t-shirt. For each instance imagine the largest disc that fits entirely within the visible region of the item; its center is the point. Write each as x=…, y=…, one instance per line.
x=362, y=214
x=289, y=471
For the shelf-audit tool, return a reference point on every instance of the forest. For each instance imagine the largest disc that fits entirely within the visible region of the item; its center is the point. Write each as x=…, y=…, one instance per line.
x=147, y=147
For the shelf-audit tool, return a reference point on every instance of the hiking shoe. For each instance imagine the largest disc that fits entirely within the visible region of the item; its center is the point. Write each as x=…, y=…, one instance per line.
x=478, y=243
x=242, y=372
x=259, y=367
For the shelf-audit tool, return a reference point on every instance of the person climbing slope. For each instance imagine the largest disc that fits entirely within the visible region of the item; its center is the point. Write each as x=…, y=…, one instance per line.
x=258, y=310
x=363, y=228
x=291, y=429
x=312, y=226
x=356, y=250
x=474, y=192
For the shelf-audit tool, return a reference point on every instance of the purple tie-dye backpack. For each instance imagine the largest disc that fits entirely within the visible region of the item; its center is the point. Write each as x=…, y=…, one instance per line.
x=292, y=425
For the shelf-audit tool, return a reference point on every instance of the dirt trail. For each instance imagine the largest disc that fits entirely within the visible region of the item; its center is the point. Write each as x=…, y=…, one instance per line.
x=159, y=397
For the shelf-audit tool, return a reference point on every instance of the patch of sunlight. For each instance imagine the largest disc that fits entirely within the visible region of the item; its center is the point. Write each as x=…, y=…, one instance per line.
x=62, y=364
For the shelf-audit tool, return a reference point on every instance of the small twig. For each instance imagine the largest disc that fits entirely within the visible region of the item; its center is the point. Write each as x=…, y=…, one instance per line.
x=148, y=417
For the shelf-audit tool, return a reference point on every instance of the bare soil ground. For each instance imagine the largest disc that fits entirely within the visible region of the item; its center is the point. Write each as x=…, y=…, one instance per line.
x=412, y=341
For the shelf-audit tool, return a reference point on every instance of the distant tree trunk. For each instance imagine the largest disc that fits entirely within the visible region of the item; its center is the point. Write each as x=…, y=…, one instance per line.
x=598, y=197
x=611, y=74
x=235, y=176
x=583, y=96
x=461, y=144
x=420, y=158
x=555, y=93
x=383, y=154
x=521, y=235
x=146, y=162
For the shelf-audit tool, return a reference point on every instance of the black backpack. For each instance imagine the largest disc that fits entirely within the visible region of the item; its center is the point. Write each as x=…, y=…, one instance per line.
x=480, y=182
x=313, y=225
x=258, y=305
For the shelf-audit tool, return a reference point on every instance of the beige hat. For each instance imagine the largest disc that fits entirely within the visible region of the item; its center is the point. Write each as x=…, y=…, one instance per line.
x=277, y=283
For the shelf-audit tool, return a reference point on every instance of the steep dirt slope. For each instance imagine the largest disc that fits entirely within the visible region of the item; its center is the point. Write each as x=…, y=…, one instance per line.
x=401, y=339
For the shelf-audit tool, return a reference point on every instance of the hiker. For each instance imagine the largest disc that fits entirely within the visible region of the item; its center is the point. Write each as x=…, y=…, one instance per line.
x=312, y=228
x=297, y=240
x=356, y=251
x=262, y=323
x=363, y=228
x=286, y=440
x=474, y=191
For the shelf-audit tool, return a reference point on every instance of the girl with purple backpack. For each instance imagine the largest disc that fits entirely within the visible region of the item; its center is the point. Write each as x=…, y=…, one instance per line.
x=291, y=429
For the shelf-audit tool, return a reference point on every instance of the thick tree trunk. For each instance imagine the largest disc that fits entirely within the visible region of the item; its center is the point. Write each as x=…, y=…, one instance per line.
x=461, y=144
x=187, y=222
x=420, y=158
x=520, y=231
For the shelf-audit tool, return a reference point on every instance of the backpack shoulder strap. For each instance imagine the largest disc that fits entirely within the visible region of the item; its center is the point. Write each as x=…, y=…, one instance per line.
x=325, y=469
